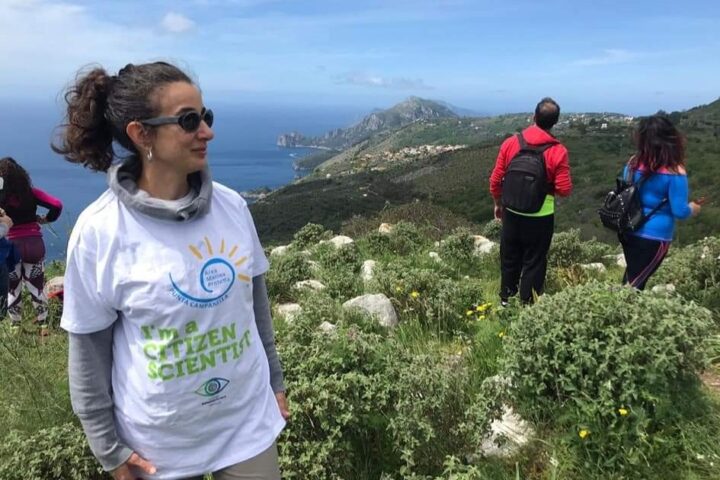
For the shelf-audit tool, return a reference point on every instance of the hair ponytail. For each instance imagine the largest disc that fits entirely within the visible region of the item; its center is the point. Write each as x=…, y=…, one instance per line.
x=87, y=136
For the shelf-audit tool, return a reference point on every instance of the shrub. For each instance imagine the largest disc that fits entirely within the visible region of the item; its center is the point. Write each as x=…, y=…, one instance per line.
x=695, y=272
x=457, y=247
x=568, y=249
x=309, y=235
x=56, y=453
x=420, y=294
x=285, y=271
x=406, y=238
x=346, y=257
x=363, y=405
x=603, y=361
x=492, y=230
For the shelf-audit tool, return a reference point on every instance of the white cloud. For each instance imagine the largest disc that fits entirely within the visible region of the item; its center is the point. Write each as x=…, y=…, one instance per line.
x=608, y=57
x=369, y=80
x=176, y=23
x=44, y=42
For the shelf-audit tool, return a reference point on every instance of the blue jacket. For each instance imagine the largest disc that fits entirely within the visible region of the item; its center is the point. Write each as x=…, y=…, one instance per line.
x=660, y=185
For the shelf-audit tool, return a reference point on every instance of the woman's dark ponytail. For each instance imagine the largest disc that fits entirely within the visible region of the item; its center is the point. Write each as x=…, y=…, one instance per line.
x=87, y=137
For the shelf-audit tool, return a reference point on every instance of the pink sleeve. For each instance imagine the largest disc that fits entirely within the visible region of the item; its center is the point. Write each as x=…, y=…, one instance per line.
x=53, y=205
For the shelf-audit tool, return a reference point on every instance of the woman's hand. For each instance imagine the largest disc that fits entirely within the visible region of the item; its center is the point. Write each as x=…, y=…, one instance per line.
x=283, y=405
x=123, y=471
x=695, y=207
x=6, y=220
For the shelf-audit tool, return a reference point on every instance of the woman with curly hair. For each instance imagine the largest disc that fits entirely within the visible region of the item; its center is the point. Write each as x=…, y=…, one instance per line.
x=20, y=202
x=172, y=360
x=659, y=164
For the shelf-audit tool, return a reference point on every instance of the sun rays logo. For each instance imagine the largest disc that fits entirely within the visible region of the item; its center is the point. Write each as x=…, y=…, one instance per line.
x=217, y=276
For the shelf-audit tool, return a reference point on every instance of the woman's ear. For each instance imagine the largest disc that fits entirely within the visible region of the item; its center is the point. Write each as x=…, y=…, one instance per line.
x=139, y=135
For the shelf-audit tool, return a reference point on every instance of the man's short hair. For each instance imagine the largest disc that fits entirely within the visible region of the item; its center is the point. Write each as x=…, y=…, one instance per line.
x=547, y=113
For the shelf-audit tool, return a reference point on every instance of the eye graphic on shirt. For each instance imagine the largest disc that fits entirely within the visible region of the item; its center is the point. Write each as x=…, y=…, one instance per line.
x=217, y=275
x=212, y=387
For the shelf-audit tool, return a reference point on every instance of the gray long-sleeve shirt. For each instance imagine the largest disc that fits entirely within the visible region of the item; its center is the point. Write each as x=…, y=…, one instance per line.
x=90, y=371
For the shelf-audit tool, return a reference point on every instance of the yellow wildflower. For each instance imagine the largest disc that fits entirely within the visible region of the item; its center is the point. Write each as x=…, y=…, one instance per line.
x=583, y=434
x=398, y=289
x=469, y=312
x=414, y=294
x=481, y=317
x=623, y=411
x=501, y=334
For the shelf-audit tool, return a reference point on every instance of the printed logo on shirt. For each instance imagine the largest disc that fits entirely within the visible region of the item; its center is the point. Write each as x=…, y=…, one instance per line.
x=217, y=276
x=212, y=387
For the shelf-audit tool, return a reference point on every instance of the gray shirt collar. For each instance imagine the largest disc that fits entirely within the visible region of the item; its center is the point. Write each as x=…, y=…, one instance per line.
x=122, y=179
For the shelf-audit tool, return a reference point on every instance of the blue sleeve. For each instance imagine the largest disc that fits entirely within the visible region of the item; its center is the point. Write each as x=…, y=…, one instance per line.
x=678, y=196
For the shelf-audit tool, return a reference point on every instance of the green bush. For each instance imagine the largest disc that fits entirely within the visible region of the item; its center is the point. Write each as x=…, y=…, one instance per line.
x=492, y=230
x=56, y=453
x=345, y=257
x=309, y=235
x=404, y=238
x=285, y=271
x=363, y=405
x=438, y=303
x=695, y=272
x=602, y=362
x=458, y=247
x=568, y=249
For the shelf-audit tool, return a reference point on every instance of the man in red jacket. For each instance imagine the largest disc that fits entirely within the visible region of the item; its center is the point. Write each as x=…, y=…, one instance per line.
x=525, y=238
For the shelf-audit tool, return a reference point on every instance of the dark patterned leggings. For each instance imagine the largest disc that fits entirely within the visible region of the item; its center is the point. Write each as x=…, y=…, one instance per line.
x=29, y=273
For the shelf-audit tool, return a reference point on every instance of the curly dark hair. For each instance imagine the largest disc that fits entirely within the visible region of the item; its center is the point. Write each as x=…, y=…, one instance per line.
x=659, y=144
x=100, y=106
x=17, y=180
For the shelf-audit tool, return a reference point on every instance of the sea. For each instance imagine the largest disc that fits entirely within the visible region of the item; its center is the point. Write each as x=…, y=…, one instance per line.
x=243, y=155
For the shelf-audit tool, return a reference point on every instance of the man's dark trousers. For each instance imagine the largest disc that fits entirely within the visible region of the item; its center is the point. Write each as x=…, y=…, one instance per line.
x=524, y=245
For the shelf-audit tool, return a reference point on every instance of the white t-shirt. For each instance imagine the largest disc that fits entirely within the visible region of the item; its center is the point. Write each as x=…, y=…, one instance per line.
x=191, y=382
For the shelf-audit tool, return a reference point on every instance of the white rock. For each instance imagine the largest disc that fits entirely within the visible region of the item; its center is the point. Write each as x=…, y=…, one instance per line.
x=313, y=265
x=667, y=288
x=620, y=260
x=327, y=327
x=385, y=228
x=311, y=284
x=377, y=305
x=277, y=251
x=479, y=239
x=511, y=431
x=288, y=310
x=340, y=240
x=366, y=272
x=595, y=267
x=483, y=245
x=54, y=287
x=435, y=256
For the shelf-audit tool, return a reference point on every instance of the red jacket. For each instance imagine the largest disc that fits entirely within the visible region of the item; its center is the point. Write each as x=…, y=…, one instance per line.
x=557, y=166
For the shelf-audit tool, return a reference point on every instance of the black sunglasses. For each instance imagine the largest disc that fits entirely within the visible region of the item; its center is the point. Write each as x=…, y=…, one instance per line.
x=188, y=121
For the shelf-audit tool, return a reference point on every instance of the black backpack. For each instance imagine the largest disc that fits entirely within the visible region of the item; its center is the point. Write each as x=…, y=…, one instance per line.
x=622, y=210
x=525, y=183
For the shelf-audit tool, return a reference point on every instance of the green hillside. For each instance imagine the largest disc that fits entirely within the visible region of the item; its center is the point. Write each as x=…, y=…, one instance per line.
x=458, y=181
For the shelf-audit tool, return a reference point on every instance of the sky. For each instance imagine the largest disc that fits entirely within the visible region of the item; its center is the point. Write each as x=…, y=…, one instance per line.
x=629, y=56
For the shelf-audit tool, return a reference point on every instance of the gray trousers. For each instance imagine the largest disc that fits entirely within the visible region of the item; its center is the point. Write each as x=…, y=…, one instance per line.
x=264, y=466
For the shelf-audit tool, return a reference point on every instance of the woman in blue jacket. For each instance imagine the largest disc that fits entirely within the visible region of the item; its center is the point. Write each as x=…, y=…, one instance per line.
x=660, y=158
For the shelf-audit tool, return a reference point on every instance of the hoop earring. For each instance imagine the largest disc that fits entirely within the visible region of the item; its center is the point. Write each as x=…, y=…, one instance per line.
x=149, y=155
